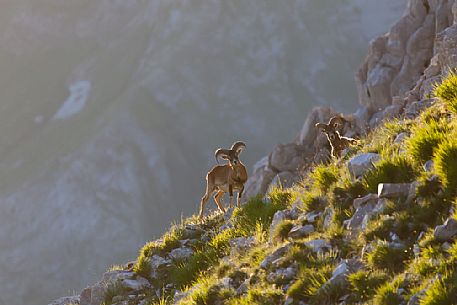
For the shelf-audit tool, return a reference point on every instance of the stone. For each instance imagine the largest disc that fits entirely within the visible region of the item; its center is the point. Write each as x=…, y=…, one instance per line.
x=258, y=182
x=365, y=210
x=192, y=232
x=319, y=245
x=446, y=231
x=393, y=190
x=180, y=254
x=412, y=110
x=310, y=217
x=428, y=166
x=278, y=217
x=139, y=283
x=282, y=275
x=241, y=244
x=284, y=180
x=300, y=231
x=73, y=300
x=358, y=202
x=274, y=256
x=400, y=137
x=287, y=157
x=360, y=164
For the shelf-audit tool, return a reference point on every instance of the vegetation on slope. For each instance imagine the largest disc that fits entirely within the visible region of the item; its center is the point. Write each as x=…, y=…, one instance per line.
x=400, y=256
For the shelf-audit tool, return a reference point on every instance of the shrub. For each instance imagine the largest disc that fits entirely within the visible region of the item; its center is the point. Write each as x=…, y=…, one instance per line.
x=364, y=283
x=387, y=294
x=446, y=165
x=142, y=266
x=447, y=90
x=282, y=230
x=324, y=176
x=386, y=257
x=426, y=138
x=396, y=169
x=443, y=291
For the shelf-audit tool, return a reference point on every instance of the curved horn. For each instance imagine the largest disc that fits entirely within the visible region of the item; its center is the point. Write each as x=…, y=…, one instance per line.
x=238, y=147
x=224, y=153
x=336, y=120
x=322, y=126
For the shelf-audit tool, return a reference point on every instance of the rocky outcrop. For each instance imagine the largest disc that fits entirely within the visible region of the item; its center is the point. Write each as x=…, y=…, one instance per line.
x=395, y=80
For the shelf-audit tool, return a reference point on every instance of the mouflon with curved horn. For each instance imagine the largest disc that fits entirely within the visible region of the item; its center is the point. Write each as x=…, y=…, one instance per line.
x=337, y=142
x=226, y=178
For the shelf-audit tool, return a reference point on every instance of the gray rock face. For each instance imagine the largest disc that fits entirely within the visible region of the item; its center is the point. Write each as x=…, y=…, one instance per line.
x=300, y=231
x=364, y=210
x=393, y=190
x=360, y=164
x=288, y=157
x=319, y=245
x=345, y=268
x=180, y=254
x=446, y=231
x=241, y=244
x=278, y=253
x=282, y=275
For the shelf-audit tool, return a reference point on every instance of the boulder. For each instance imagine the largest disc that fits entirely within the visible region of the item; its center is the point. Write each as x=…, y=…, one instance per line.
x=284, y=179
x=287, y=157
x=241, y=244
x=360, y=164
x=282, y=275
x=446, y=231
x=180, y=254
x=358, y=202
x=346, y=267
x=393, y=190
x=400, y=137
x=266, y=263
x=138, y=283
x=300, y=231
x=319, y=245
x=362, y=212
x=278, y=217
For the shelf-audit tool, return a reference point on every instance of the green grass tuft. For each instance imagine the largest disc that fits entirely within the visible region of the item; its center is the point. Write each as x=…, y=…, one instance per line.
x=446, y=165
x=385, y=257
x=396, y=169
x=447, y=91
x=426, y=138
x=364, y=283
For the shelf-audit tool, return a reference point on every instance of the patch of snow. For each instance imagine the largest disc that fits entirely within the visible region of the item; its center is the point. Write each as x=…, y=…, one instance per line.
x=79, y=94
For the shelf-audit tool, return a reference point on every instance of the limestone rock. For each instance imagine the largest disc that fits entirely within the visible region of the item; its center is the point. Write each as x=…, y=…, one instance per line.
x=358, y=202
x=393, y=190
x=287, y=157
x=446, y=231
x=136, y=284
x=319, y=245
x=360, y=164
x=300, y=231
x=274, y=256
x=180, y=254
x=241, y=244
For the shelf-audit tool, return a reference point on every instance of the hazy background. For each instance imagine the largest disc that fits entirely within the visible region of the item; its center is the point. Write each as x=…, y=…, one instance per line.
x=110, y=112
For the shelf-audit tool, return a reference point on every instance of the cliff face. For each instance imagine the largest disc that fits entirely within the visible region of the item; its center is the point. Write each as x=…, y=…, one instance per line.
x=361, y=232
x=397, y=75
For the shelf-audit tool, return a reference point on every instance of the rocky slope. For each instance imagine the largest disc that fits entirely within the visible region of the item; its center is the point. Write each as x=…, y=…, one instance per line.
x=377, y=226
x=105, y=108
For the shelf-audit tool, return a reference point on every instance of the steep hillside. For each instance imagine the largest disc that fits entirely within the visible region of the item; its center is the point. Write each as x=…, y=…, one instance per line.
x=376, y=226
x=108, y=106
